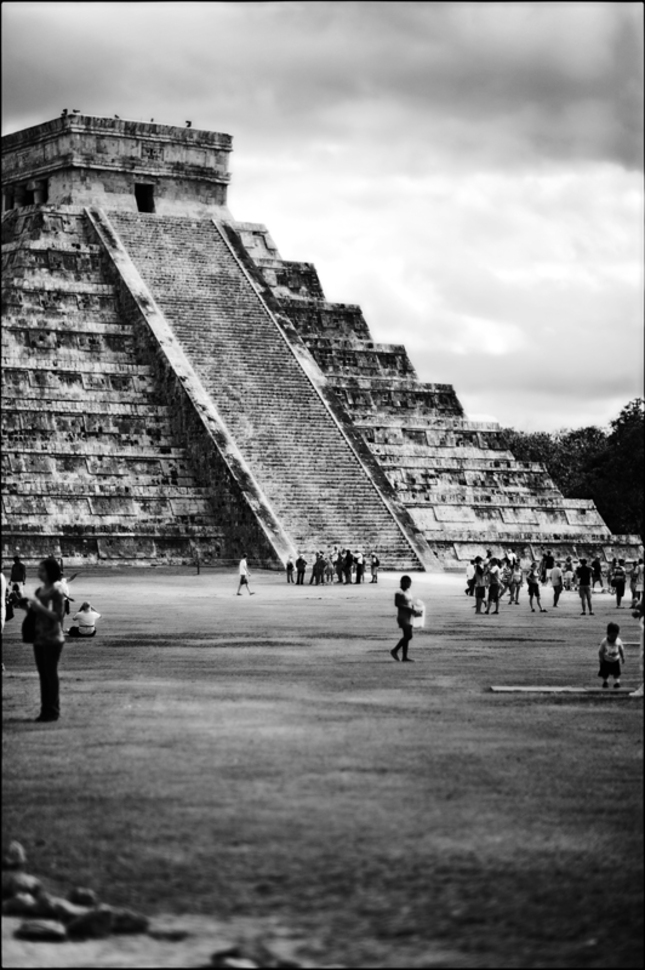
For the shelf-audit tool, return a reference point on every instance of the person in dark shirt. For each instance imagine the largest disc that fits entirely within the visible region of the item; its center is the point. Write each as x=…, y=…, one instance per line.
x=18, y=572
x=584, y=574
x=301, y=565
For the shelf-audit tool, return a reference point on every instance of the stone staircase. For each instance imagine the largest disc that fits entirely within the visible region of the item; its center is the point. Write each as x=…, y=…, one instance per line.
x=458, y=481
x=92, y=470
x=298, y=453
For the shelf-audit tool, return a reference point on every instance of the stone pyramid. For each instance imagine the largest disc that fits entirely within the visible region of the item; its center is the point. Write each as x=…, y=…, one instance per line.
x=173, y=389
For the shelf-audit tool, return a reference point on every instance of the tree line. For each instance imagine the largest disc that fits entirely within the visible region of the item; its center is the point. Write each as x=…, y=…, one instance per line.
x=603, y=464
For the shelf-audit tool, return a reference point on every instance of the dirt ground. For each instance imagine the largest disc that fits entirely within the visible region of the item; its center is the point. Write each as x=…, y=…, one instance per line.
x=262, y=762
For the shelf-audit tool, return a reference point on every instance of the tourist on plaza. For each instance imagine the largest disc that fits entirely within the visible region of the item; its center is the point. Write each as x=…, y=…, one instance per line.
x=3, y=602
x=48, y=609
x=470, y=578
x=480, y=584
x=244, y=577
x=329, y=570
x=583, y=575
x=618, y=580
x=84, y=622
x=638, y=585
x=596, y=573
x=360, y=567
x=493, y=586
x=405, y=612
x=638, y=614
x=18, y=572
x=557, y=582
x=611, y=653
x=533, y=583
x=569, y=575
x=633, y=579
x=516, y=581
x=348, y=562
x=301, y=566
x=548, y=563
x=505, y=576
x=338, y=564
x=374, y=564
x=290, y=568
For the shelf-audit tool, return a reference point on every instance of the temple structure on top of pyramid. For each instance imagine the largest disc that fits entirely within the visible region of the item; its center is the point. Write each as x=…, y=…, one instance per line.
x=173, y=389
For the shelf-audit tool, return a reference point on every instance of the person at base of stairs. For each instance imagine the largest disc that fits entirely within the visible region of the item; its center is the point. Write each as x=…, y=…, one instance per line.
x=244, y=577
x=610, y=654
x=405, y=612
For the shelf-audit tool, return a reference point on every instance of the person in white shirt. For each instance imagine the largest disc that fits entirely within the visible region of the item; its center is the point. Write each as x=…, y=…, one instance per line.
x=244, y=577
x=84, y=622
x=557, y=581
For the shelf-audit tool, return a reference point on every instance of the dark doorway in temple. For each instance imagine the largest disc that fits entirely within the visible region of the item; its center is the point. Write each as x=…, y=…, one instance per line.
x=144, y=194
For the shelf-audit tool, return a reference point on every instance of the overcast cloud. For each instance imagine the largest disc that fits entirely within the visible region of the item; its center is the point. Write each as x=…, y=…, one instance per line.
x=470, y=174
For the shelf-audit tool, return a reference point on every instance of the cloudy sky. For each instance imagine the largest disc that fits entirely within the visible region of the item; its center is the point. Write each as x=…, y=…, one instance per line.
x=470, y=173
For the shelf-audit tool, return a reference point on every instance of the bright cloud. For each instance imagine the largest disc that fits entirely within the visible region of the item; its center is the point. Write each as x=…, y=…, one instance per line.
x=469, y=173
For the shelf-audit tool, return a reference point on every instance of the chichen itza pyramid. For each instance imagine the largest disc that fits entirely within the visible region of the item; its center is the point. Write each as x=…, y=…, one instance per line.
x=172, y=388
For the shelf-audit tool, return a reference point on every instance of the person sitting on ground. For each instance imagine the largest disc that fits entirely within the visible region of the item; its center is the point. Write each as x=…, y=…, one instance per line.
x=611, y=653
x=84, y=622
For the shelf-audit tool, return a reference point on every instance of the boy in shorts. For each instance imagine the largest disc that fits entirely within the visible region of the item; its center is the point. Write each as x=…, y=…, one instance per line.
x=611, y=653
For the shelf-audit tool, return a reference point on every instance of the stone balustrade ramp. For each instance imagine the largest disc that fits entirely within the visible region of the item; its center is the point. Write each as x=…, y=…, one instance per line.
x=295, y=448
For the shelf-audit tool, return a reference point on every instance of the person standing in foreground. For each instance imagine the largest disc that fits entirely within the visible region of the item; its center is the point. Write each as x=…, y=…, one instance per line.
x=610, y=654
x=405, y=612
x=289, y=568
x=244, y=577
x=583, y=575
x=48, y=604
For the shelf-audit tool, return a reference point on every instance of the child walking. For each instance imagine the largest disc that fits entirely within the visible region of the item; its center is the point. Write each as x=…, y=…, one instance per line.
x=405, y=612
x=611, y=654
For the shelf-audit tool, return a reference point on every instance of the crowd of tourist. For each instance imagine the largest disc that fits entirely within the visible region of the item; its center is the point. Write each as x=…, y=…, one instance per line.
x=341, y=566
x=489, y=578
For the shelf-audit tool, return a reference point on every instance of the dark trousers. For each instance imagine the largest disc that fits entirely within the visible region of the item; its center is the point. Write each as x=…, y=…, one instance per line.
x=557, y=592
x=300, y=577
x=289, y=575
x=47, y=658
x=348, y=575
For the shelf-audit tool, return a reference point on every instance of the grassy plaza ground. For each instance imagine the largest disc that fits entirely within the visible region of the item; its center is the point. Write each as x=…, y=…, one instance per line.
x=264, y=757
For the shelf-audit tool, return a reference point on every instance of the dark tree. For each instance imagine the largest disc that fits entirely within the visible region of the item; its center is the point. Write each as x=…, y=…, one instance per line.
x=606, y=466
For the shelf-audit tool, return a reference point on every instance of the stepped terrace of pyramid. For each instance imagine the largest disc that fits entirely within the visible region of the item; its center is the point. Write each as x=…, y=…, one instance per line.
x=173, y=389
